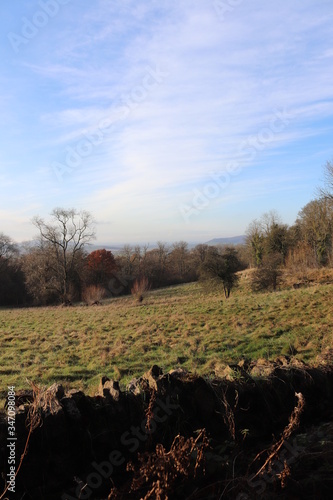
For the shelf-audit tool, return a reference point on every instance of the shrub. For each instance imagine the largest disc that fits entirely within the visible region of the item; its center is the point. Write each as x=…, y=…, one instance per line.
x=219, y=268
x=93, y=294
x=140, y=287
x=267, y=276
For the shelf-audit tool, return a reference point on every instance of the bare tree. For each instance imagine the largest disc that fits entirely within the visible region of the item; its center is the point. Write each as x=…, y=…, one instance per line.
x=267, y=236
x=163, y=254
x=327, y=191
x=200, y=252
x=8, y=249
x=12, y=288
x=41, y=275
x=255, y=242
x=140, y=259
x=179, y=256
x=65, y=237
x=269, y=220
x=127, y=257
x=315, y=226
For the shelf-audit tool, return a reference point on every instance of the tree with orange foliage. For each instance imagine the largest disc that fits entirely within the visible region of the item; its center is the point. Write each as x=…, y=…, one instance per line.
x=100, y=266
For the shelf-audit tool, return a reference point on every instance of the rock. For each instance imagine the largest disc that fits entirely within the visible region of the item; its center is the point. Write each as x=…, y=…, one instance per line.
x=228, y=373
x=282, y=361
x=75, y=394
x=134, y=386
x=92, y=432
x=261, y=368
x=152, y=377
x=57, y=391
x=104, y=379
x=70, y=407
x=244, y=363
x=109, y=388
x=156, y=371
x=114, y=390
x=179, y=373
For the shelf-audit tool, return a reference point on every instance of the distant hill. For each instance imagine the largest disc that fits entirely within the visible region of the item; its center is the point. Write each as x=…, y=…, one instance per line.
x=25, y=245
x=116, y=248
x=234, y=240
x=112, y=248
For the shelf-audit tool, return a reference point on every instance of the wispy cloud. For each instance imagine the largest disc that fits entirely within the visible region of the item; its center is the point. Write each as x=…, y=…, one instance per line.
x=226, y=79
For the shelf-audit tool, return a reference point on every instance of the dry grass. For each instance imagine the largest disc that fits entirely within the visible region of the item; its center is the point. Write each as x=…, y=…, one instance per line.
x=178, y=326
x=93, y=294
x=140, y=288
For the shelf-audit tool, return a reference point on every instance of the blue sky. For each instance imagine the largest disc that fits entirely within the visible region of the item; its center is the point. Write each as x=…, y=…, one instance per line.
x=167, y=120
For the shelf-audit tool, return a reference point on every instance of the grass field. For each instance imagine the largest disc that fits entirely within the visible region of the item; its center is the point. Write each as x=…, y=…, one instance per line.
x=179, y=326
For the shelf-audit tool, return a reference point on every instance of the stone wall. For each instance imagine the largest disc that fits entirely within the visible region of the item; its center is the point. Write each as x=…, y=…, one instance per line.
x=83, y=444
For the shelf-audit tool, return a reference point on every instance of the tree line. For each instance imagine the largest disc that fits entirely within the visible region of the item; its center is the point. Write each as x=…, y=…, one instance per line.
x=58, y=267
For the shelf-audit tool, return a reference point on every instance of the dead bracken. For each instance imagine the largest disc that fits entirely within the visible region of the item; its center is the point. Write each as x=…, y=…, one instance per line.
x=177, y=435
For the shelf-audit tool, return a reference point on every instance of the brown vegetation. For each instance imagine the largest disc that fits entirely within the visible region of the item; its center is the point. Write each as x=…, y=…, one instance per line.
x=93, y=294
x=205, y=438
x=140, y=287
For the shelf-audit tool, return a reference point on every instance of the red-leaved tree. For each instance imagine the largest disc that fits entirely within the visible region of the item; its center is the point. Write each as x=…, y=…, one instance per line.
x=100, y=267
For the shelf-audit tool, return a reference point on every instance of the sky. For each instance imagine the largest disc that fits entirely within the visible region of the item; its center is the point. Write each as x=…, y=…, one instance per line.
x=166, y=119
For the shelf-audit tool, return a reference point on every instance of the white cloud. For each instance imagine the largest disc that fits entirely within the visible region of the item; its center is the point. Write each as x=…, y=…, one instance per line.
x=223, y=82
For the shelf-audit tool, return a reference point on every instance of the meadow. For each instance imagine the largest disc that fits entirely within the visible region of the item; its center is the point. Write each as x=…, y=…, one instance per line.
x=180, y=326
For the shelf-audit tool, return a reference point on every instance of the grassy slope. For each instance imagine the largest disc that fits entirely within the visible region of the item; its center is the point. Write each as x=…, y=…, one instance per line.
x=179, y=326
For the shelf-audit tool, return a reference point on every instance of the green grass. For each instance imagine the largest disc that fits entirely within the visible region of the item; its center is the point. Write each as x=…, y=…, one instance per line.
x=178, y=326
